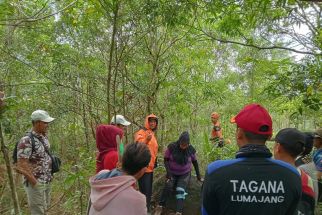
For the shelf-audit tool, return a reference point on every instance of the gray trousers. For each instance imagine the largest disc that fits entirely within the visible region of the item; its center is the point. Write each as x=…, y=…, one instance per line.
x=38, y=198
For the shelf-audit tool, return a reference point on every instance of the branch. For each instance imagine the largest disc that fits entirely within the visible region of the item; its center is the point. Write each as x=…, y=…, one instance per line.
x=173, y=42
x=312, y=1
x=306, y=20
x=51, y=79
x=41, y=10
x=21, y=84
x=40, y=18
x=258, y=47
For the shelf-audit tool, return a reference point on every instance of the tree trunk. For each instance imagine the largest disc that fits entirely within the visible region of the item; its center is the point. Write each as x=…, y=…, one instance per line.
x=163, y=129
x=14, y=195
x=85, y=126
x=8, y=41
x=109, y=75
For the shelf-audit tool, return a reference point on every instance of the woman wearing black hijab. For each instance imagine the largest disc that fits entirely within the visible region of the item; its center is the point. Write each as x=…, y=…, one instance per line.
x=178, y=160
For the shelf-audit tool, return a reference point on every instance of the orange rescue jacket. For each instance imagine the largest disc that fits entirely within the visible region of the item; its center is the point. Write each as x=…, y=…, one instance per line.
x=141, y=135
x=216, y=131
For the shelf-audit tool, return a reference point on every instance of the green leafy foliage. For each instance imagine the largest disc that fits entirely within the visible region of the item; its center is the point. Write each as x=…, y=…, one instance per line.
x=181, y=60
x=299, y=81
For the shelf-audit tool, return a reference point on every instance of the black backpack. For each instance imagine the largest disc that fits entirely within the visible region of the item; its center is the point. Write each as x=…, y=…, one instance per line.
x=15, y=150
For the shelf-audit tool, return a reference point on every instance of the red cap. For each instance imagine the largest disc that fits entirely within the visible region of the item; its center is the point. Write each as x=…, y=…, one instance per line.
x=254, y=118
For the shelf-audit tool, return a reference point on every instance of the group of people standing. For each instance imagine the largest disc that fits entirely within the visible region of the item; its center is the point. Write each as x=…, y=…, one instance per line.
x=252, y=183
x=178, y=159
x=109, y=152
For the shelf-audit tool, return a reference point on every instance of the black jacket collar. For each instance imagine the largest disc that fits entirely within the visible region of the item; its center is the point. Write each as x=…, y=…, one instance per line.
x=252, y=150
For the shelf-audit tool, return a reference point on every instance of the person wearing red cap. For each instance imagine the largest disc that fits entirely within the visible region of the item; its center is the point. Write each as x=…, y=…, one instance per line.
x=253, y=183
x=216, y=132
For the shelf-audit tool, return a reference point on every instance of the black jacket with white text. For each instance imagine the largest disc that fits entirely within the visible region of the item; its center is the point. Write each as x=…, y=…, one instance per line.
x=253, y=183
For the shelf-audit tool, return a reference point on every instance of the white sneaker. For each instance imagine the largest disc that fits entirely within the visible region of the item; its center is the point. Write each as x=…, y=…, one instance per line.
x=158, y=210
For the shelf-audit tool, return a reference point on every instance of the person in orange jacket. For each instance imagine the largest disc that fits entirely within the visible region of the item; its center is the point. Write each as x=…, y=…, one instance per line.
x=216, y=132
x=146, y=135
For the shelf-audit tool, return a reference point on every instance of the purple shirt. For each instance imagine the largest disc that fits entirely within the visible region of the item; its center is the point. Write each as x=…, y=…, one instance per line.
x=177, y=169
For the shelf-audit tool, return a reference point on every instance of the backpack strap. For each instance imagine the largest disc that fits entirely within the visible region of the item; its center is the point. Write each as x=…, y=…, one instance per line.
x=15, y=151
x=32, y=139
x=46, y=150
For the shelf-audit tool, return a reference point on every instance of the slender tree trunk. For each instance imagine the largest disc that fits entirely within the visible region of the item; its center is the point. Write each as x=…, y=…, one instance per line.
x=110, y=68
x=85, y=127
x=80, y=187
x=123, y=99
x=14, y=194
x=7, y=42
x=90, y=110
x=114, y=91
x=148, y=106
x=162, y=129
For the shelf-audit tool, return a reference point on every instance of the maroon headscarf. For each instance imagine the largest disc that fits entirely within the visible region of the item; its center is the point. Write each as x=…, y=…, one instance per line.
x=106, y=138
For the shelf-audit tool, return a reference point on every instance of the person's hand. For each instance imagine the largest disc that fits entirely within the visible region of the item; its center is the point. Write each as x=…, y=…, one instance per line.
x=119, y=165
x=168, y=177
x=220, y=144
x=200, y=179
x=319, y=175
x=149, y=137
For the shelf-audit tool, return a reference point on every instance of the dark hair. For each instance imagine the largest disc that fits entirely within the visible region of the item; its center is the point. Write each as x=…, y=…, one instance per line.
x=293, y=149
x=256, y=138
x=308, y=146
x=136, y=156
x=153, y=119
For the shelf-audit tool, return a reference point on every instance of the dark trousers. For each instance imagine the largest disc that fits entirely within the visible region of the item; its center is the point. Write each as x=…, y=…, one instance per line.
x=180, y=183
x=145, y=185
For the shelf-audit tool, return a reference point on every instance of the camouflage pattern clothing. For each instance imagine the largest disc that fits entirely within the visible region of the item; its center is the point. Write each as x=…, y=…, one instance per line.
x=39, y=159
